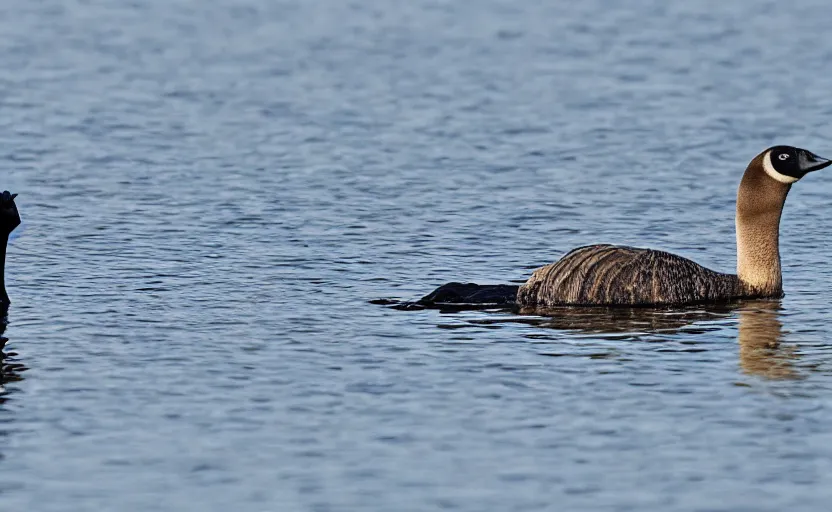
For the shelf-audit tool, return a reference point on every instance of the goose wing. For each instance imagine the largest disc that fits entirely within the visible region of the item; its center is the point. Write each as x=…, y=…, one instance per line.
x=610, y=275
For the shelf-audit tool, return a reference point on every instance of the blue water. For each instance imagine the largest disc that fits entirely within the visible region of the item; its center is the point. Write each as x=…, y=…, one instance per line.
x=213, y=190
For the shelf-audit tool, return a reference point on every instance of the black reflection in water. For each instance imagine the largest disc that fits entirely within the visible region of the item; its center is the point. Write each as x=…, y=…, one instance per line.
x=10, y=368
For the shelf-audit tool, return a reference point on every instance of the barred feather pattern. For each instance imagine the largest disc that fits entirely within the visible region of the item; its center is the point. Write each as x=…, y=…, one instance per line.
x=610, y=275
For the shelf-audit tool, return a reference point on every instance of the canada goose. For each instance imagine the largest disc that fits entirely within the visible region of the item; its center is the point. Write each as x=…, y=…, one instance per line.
x=608, y=275
x=9, y=220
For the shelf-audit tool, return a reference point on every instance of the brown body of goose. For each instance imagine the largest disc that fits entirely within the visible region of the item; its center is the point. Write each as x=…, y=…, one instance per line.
x=617, y=275
x=610, y=275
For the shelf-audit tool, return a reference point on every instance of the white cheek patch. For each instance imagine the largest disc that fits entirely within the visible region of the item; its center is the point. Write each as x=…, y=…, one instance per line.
x=782, y=178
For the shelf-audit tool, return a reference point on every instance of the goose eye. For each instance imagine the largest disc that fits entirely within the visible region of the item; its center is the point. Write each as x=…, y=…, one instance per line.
x=783, y=156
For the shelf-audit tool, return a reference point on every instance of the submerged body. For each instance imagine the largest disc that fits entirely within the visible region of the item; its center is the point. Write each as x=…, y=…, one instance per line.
x=609, y=275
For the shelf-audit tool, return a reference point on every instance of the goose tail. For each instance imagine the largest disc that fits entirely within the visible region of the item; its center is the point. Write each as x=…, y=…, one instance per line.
x=471, y=295
x=460, y=296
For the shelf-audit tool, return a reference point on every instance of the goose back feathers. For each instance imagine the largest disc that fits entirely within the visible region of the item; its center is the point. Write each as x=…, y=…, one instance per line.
x=625, y=276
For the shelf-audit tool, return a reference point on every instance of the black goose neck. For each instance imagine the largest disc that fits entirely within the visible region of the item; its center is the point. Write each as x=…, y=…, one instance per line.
x=4, y=297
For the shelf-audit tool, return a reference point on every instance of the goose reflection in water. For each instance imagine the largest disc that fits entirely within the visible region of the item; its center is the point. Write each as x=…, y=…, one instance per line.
x=760, y=332
x=10, y=368
x=760, y=337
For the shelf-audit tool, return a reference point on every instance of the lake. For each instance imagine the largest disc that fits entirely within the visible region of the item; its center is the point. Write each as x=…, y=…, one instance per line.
x=213, y=191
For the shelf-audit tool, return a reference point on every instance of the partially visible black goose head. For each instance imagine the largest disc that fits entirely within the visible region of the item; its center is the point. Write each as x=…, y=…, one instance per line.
x=9, y=216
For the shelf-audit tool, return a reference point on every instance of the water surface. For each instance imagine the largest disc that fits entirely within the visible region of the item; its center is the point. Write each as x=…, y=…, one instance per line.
x=212, y=192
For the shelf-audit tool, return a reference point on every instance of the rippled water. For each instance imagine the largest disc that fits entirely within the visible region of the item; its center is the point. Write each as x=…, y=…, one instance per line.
x=213, y=190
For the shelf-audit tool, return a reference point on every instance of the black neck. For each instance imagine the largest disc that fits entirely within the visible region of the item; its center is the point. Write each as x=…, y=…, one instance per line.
x=4, y=297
